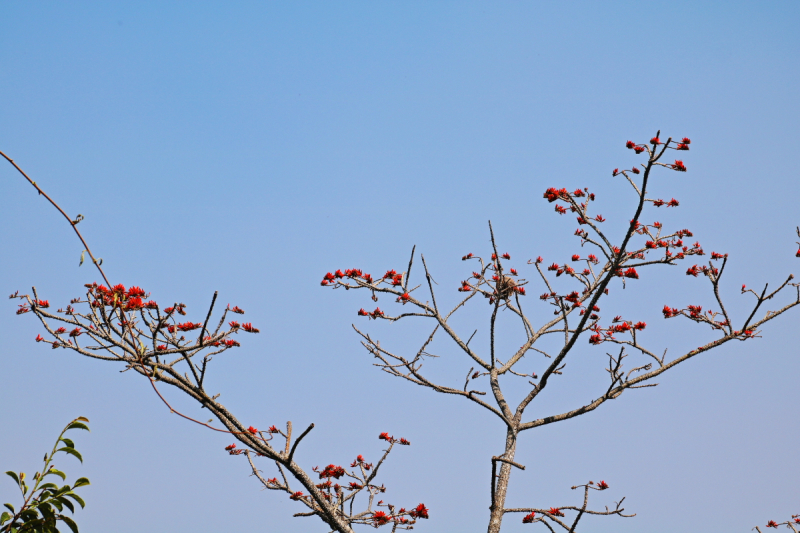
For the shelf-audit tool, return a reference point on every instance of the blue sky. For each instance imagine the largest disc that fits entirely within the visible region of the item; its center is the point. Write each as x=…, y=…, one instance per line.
x=249, y=148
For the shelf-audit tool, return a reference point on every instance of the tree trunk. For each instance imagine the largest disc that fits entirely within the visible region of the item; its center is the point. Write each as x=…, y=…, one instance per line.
x=501, y=484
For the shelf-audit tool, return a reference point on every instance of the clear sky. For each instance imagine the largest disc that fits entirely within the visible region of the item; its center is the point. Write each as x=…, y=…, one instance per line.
x=250, y=147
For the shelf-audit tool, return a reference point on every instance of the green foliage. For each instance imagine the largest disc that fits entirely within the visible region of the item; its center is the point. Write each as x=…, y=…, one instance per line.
x=44, y=502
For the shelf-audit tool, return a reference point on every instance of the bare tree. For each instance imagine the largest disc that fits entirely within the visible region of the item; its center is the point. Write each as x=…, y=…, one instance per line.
x=122, y=325
x=576, y=314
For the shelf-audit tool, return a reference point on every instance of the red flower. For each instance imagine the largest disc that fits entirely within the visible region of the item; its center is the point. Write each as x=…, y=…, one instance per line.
x=673, y=203
x=616, y=171
x=404, y=442
x=576, y=257
x=385, y=436
x=332, y=471
x=252, y=430
x=136, y=292
x=560, y=210
x=234, y=325
x=715, y=255
x=630, y=144
x=405, y=297
x=329, y=276
x=593, y=258
x=230, y=447
x=798, y=253
x=529, y=518
x=555, y=511
x=640, y=325
x=237, y=310
x=59, y=331
x=230, y=343
x=296, y=496
x=602, y=485
x=134, y=304
x=43, y=303
x=686, y=140
x=248, y=327
x=419, y=512
x=554, y=266
x=772, y=523
x=679, y=166
x=631, y=273
x=682, y=146
x=75, y=332
x=539, y=259
x=635, y=170
x=354, y=486
x=655, y=140
x=39, y=338
x=639, y=149
x=376, y=313
x=599, y=218
x=693, y=271
x=361, y=312
x=513, y=271
x=380, y=518
x=595, y=339
x=520, y=290
x=161, y=347
x=506, y=256
x=468, y=256
x=578, y=193
x=323, y=282
x=151, y=305
x=189, y=326
x=669, y=312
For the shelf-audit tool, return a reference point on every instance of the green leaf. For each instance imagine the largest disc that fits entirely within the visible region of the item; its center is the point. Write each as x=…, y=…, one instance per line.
x=68, y=442
x=10, y=508
x=5, y=517
x=67, y=503
x=80, y=482
x=71, y=451
x=76, y=498
x=46, y=486
x=13, y=476
x=78, y=425
x=82, y=419
x=56, y=503
x=56, y=472
x=70, y=522
x=83, y=253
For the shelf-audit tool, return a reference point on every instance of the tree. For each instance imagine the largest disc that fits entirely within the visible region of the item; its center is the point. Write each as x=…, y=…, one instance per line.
x=43, y=504
x=148, y=339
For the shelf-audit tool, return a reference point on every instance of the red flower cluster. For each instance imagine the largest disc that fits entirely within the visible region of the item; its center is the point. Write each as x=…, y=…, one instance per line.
x=552, y=194
x=529, y=518
x=468, y=256
x=555, y=511
x=419, y=512
x=380, y=518
x=672, y=203
x=332, y=471
x=670, y=312
x=679, y=166
x=248, y=327
x=602, y=485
